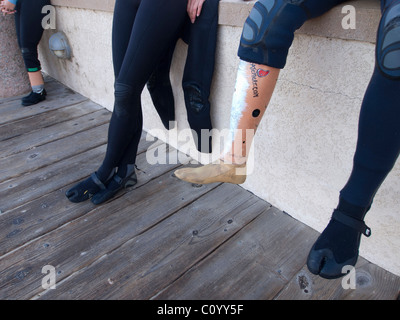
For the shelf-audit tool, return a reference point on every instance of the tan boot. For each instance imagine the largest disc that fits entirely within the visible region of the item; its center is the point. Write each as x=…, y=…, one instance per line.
x=221, y=172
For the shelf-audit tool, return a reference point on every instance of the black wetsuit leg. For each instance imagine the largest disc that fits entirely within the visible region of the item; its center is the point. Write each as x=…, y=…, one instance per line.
x=160, y=89
x=377, y=150
x=268, y=32
x=156, y=27
x=28, y=23
x=201, y=38
x=267, y=35
x=143, y=32
x=198, y=73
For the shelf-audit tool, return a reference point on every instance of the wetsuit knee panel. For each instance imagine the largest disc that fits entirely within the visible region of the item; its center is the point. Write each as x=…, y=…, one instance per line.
x=30, y=56
x=194, y=98
x=122, y=94
x=256, y=25
x=388, y=42
x=269, y=31
x=122, y=91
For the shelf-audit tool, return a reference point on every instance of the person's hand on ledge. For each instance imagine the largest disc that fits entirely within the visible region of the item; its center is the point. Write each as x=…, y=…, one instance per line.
x=194, y=9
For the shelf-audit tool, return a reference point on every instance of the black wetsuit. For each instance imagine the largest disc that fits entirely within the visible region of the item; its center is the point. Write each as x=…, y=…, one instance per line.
x=28, y=23
x=143, y=39
x=201, y=37
x=139, y=48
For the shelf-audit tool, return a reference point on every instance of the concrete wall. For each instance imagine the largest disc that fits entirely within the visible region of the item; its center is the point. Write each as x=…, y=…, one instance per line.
x=14, y=79
x=304, y=146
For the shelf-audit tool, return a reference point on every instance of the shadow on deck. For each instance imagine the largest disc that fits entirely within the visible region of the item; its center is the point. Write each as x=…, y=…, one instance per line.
x=162, y=239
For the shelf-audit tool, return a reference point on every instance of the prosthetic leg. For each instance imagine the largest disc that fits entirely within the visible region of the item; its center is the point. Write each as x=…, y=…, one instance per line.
x=254, y=87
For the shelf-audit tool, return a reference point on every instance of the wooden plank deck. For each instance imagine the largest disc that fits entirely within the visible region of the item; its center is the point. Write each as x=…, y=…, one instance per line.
x=162, y=239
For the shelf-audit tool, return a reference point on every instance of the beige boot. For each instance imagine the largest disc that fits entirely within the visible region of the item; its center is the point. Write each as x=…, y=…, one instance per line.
x=221, y=172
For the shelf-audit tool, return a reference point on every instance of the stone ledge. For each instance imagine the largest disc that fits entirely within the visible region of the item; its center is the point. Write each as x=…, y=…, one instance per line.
x=234, y=12
x=102, y=5
x=368, y=14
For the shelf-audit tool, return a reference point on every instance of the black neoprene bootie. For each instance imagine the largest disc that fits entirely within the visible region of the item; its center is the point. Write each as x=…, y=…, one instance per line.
x=338, y=245
x=34, y=98
x=85, y=189
x=116, y=184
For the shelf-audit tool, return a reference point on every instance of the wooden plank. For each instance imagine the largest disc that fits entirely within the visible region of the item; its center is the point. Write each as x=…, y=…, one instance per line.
x=49, y=153
x=155, y=258
x=50, y=83
x=43, y=191
x=58, y=97
x=97, y=232
x=43, y=120
x=255, y=264
x=371, y=283
x=46, y=135
x=27, y=187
